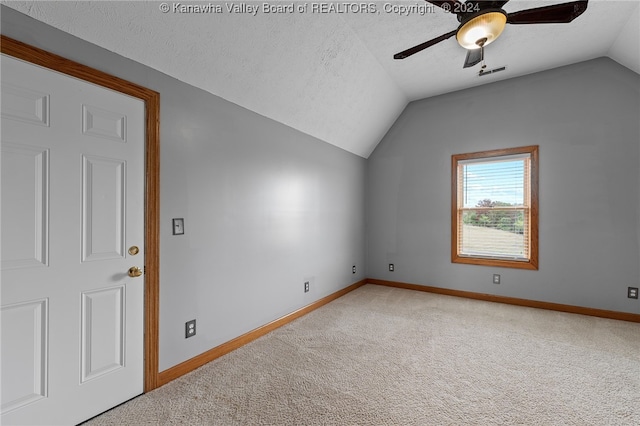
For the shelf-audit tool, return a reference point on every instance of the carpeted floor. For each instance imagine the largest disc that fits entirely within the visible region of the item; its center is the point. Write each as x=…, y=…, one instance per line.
x=387, y=356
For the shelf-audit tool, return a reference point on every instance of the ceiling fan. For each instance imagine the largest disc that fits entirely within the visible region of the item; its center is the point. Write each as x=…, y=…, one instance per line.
x=481, y=22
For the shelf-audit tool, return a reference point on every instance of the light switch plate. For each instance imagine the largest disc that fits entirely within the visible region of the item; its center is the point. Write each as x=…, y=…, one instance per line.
x=178, y=226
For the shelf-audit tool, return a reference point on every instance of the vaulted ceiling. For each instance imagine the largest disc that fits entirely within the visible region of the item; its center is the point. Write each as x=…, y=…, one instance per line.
x=327, y=68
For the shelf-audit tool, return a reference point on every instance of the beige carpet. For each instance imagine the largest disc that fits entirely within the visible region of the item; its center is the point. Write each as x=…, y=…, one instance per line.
x=386, y=356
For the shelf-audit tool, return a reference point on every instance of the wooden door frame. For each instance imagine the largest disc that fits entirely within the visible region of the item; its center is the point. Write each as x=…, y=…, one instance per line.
x=151, y=99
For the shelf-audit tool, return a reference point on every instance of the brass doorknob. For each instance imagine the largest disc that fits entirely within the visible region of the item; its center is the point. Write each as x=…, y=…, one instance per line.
x=134, y=271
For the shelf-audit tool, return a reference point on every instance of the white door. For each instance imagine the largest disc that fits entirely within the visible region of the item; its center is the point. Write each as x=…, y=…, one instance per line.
x=72, y=167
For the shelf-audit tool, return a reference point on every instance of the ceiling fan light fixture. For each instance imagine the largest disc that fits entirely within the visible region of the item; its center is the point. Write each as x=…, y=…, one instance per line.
x=481, y=30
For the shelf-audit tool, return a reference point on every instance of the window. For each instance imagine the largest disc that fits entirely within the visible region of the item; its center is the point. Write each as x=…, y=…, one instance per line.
x=494, y=208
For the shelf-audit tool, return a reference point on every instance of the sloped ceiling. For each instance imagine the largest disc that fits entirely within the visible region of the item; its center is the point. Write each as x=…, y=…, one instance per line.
x=326, y=69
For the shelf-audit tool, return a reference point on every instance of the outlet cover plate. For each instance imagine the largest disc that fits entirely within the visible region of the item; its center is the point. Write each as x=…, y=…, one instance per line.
x=190, y=329
x=632, y=292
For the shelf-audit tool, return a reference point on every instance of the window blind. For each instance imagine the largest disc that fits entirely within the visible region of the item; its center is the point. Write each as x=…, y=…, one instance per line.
x=494, y=207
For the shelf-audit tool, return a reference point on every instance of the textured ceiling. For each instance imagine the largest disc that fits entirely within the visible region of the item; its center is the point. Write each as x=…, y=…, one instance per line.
x=326, y=70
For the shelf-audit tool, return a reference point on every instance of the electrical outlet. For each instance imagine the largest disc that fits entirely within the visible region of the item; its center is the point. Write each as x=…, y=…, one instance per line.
x=632, y=292
x=306, y=286
x=496, y=278
x=190, y=329
x=392, y=267
x=353, y=269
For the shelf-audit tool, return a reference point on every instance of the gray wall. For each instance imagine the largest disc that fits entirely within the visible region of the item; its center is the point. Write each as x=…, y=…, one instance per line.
x=585, y=119
x=265, y=207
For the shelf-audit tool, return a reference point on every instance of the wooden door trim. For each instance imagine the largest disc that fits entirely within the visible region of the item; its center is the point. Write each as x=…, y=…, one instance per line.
x=151, y=99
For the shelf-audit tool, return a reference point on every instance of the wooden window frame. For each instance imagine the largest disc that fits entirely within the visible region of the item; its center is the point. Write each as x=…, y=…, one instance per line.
x=532, y=232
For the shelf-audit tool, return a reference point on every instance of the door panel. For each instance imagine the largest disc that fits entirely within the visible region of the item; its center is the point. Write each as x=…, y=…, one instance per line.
x=25, y=225
x=103, y=124
x=103, y=345
x=103, y=208
x=72, y=203
x=21, y=103
x=26, y=325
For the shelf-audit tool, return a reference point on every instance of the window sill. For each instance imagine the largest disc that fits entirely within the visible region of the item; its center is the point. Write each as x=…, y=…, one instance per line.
x=502, y=263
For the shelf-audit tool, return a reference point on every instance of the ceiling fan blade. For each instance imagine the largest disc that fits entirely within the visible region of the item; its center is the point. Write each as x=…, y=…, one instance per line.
x=471, y=6
x=498, y=4
x=474, y=56
x=554, y=14
x=457, y=7
x=420, y=47
x=452, y=5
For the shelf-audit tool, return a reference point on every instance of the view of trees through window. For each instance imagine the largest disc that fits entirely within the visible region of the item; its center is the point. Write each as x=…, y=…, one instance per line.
x=489, y=215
